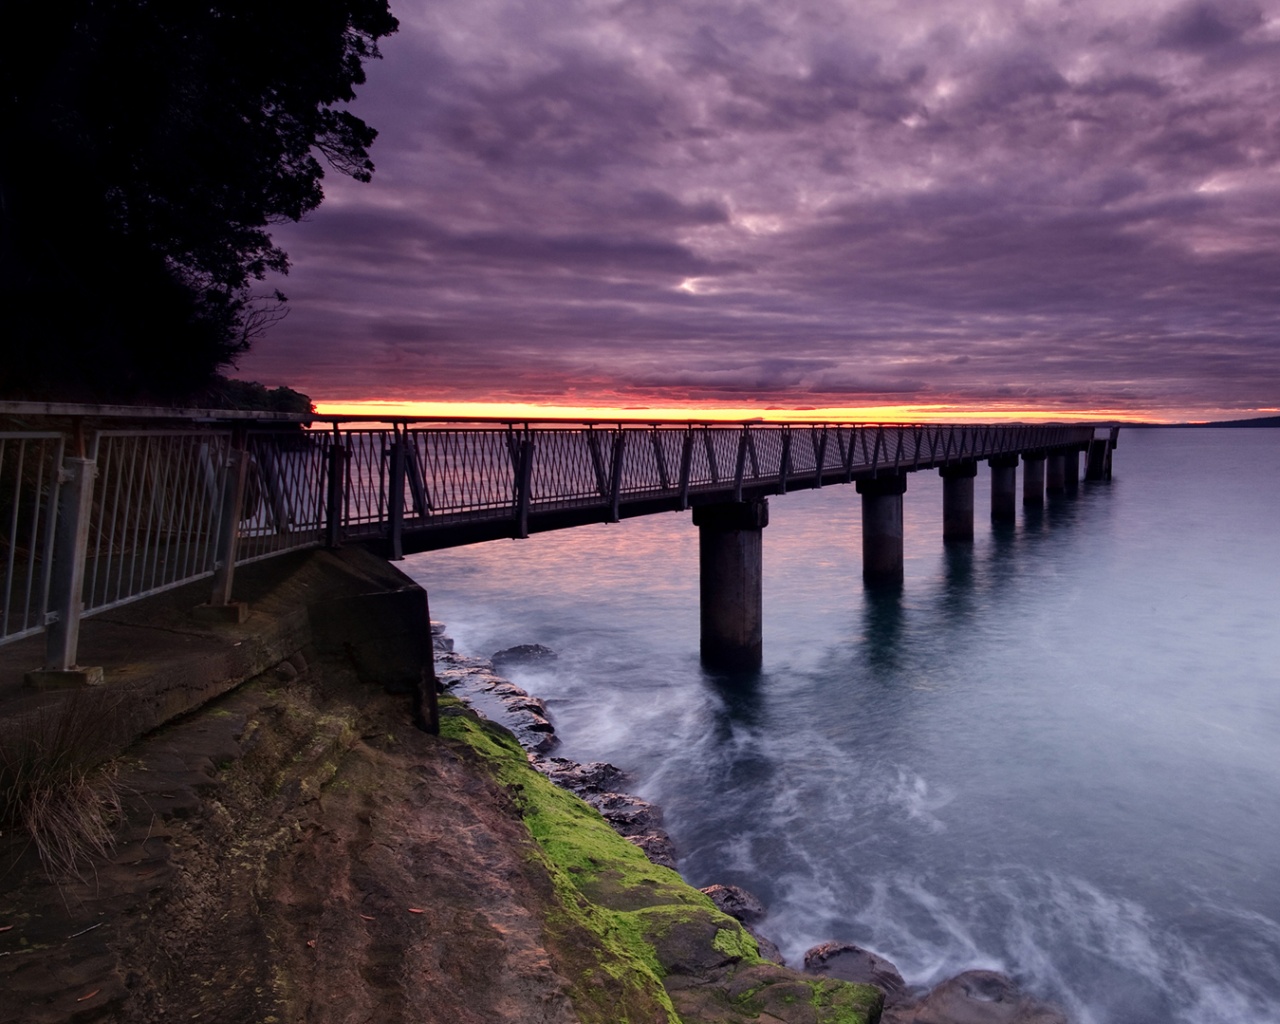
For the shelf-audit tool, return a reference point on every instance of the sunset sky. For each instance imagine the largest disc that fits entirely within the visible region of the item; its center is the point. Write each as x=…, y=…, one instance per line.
x=909, y=209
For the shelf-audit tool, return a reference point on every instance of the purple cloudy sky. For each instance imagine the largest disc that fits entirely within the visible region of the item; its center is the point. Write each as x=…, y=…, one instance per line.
x=1067, y=205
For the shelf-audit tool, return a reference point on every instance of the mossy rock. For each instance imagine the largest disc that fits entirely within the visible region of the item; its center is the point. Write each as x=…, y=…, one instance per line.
x=751, y=993
x=646, y=941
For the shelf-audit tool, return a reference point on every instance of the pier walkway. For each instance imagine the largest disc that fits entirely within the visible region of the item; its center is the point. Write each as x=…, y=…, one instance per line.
x=102, y=506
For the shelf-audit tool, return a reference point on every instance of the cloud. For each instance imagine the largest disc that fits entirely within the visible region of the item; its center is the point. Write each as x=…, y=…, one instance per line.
x=1203, y=26
x=804, y=202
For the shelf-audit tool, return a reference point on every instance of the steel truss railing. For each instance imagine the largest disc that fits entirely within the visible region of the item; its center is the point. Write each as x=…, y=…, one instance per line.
x=449, y=475
x=137, y=511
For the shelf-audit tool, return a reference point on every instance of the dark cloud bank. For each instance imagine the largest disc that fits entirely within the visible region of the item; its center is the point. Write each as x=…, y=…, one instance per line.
x=1067, y=205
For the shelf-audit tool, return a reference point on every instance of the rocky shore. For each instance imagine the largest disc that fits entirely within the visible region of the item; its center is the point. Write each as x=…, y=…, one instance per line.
x=297, y=850
x=972, y=997
x=288, y=845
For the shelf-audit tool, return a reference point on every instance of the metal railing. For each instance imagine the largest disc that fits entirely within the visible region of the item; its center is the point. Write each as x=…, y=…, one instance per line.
x=29, y=474
x=518, y=472
x=138, y=509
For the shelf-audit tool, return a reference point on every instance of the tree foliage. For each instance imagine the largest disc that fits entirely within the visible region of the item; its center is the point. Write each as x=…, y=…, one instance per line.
x=148, y=147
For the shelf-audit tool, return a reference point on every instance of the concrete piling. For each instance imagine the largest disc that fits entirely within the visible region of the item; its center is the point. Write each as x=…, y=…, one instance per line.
x=1033, y=478
x=882, y=529
x=957, y=501
x=1056, y=473
x=731, y=583
x=1004, y=488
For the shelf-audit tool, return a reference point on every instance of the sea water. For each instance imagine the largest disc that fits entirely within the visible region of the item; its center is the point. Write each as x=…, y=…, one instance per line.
x=1055, y=753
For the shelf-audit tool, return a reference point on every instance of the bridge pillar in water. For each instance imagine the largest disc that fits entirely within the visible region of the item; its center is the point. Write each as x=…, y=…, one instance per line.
x=1033, y=478
x=1098, y=463
x=731, y=583
x=882, y=529
x=1055, y=470
x=1071, y=471
x=1004, y=488
x=957, y=501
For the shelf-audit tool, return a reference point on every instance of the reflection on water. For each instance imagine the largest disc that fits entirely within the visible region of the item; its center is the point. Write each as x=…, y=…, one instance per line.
x=739, y=697
x=1051, y=752
x=882, y=629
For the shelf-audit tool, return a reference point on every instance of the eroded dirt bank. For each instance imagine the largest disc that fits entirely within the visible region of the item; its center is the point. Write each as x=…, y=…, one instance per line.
x=298, y=851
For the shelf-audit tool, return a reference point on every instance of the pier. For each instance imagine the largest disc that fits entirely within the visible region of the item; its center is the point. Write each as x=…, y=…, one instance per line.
x=103, y=506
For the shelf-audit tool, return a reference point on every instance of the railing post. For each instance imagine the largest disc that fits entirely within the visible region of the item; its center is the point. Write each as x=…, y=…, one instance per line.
x=231, y=504
x=395, y=498
x=741, y=465
x=524, y=480
x=277, y=495
x=597, y=461
x=66, y=587
x=686, y=467
x=615, y=484
x=660, y=458
x=417, y=488
x=337, y=489
x=712, y=465
x=847, y=457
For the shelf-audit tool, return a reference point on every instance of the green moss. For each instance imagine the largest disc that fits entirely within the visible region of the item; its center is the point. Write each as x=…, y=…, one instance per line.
x=773, y=993
x=840, y=1002
x=736, y=942
x=618, y=978
x=621, y=924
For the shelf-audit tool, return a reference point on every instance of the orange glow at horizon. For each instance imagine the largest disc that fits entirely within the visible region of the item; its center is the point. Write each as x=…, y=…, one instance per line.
x=523, y=411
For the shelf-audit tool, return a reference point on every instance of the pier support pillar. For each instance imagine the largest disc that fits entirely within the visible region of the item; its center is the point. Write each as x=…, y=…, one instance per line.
x=1004, y=488
x=1071, y=471
x=1033, y=478
x=882, y=529
x=957, y=501
x=1098, y=463
x=731, y=583
x=1055, y=473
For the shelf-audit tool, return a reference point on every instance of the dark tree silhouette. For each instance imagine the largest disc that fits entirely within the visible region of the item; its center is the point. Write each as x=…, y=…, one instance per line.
x=145, y=149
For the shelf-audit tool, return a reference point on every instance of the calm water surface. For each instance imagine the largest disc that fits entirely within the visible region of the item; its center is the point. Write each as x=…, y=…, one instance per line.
x=1055, y=754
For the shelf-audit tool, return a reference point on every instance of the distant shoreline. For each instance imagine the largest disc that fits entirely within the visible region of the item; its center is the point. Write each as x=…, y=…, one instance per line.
x=1262, y=421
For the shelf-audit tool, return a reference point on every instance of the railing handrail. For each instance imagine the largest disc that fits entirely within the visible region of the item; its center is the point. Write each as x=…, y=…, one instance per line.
x=86, y=411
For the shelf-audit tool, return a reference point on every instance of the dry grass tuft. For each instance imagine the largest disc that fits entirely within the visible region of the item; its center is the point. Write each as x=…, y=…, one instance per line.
x=56, y=785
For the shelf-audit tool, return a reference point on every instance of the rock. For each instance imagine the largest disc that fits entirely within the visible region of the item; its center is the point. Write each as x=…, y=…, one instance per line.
x=657, y=846
x=768, y=948
x=847, y=962
x=523, y=655
x=736, y=902
x=594, y=777
x=747, y=909
x=538, y=742
x=629, y=815
x=439, y=642
x=976, y=997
